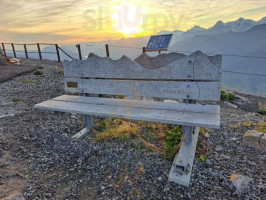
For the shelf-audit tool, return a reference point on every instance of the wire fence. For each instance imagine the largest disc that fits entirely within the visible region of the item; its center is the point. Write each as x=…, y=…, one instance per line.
x=55, y=49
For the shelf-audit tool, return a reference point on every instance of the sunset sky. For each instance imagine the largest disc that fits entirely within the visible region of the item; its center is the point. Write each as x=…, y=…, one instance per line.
x=67, y=21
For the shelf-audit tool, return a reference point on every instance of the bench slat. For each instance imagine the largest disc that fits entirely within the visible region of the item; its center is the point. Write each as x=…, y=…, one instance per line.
x=161, y=89
x=211, y=120
x=196, y=66
x=198, y=108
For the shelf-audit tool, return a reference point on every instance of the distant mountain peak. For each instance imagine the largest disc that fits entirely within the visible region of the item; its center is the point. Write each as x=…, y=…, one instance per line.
x=240, y=19
x=239, y=25
x=219, y=22
x=218, y=27
x=196, y=29
x=262, y=21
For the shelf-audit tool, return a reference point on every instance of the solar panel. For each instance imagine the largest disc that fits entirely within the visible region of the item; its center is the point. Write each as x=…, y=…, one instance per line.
x=159, y=42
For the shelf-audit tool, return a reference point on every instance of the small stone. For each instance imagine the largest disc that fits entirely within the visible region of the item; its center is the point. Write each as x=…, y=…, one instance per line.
x=206, y=135
x=73, y=117
x=225, y=157
x=243, y=99
x=219, y=148
x=159, y=178
x=255, y=139
x=233, y=139
x=230, y=104
x=240, y=182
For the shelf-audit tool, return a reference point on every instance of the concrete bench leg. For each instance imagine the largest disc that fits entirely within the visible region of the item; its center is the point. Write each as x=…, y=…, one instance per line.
x=182, y=166
x=86, y=131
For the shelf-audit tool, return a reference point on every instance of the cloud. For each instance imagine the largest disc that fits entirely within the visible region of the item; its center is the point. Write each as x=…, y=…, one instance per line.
x=32, y=37
x=65, y=19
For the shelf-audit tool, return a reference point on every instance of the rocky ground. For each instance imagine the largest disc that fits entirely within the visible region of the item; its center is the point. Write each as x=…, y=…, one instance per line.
x=39, y=160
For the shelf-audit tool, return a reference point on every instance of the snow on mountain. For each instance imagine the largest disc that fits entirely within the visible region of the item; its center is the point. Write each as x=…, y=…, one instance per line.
x=218, y=28
x=262, y=21
x=196, y=29
x=241, y=25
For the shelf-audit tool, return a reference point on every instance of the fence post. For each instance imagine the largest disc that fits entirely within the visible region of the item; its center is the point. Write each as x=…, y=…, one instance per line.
x=39, y=50
x=79, y=51
x=107, y=50
x=26, y=53
x=57, y=52
x=143, y=49
x=13, y=48
x=4, y=50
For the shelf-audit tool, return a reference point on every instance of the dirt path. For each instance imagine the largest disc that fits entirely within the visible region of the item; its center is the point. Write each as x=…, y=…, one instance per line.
x=8, y=72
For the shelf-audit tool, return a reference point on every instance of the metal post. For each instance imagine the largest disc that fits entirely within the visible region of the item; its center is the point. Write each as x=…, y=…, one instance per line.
x=39, y=50
x=88, y=126
x=13, y=48
x=26, y=53
x=4, y=50
x=57, y=52
x=107, y=50
x=79, y=51
x=182, y=166
x=187, y=130
x=143, y=49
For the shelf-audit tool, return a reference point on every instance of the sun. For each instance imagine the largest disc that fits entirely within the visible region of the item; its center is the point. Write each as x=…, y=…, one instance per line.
x=127, y=19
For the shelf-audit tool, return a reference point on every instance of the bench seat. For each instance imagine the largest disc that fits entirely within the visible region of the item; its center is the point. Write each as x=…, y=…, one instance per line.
x=164, y=112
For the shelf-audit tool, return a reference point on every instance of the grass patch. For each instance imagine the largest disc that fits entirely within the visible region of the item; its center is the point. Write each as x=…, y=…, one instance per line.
x=163, y=139
x=28, y=81
x=60, y=71
x=38, y=73
x=16, y=99
x=261, y=127
x=202, y=158
x=115, y=128
x=234, y=126
x=262, y=111
x=172, y=142
x=227, y=96
x=247, y=124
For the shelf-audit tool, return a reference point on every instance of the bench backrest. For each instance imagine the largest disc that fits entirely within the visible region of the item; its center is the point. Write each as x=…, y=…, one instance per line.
x=175, y=76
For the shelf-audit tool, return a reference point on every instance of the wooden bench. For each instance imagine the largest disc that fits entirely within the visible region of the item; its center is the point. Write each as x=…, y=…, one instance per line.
x=192, y=78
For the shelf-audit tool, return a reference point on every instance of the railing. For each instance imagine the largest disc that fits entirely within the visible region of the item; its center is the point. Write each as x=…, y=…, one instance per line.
x=58, y=49
x=38, y=45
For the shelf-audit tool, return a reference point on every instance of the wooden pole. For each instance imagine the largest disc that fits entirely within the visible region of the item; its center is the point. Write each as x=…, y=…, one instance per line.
x=4, y=50
x=26, y=53
x=13, y=48
x=57, y=52
x=107, y=50
x=39, y=50
x=79, y=51
x=143, y=49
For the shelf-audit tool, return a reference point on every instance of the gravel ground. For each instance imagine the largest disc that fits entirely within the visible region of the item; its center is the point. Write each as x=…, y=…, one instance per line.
x=40, y=160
